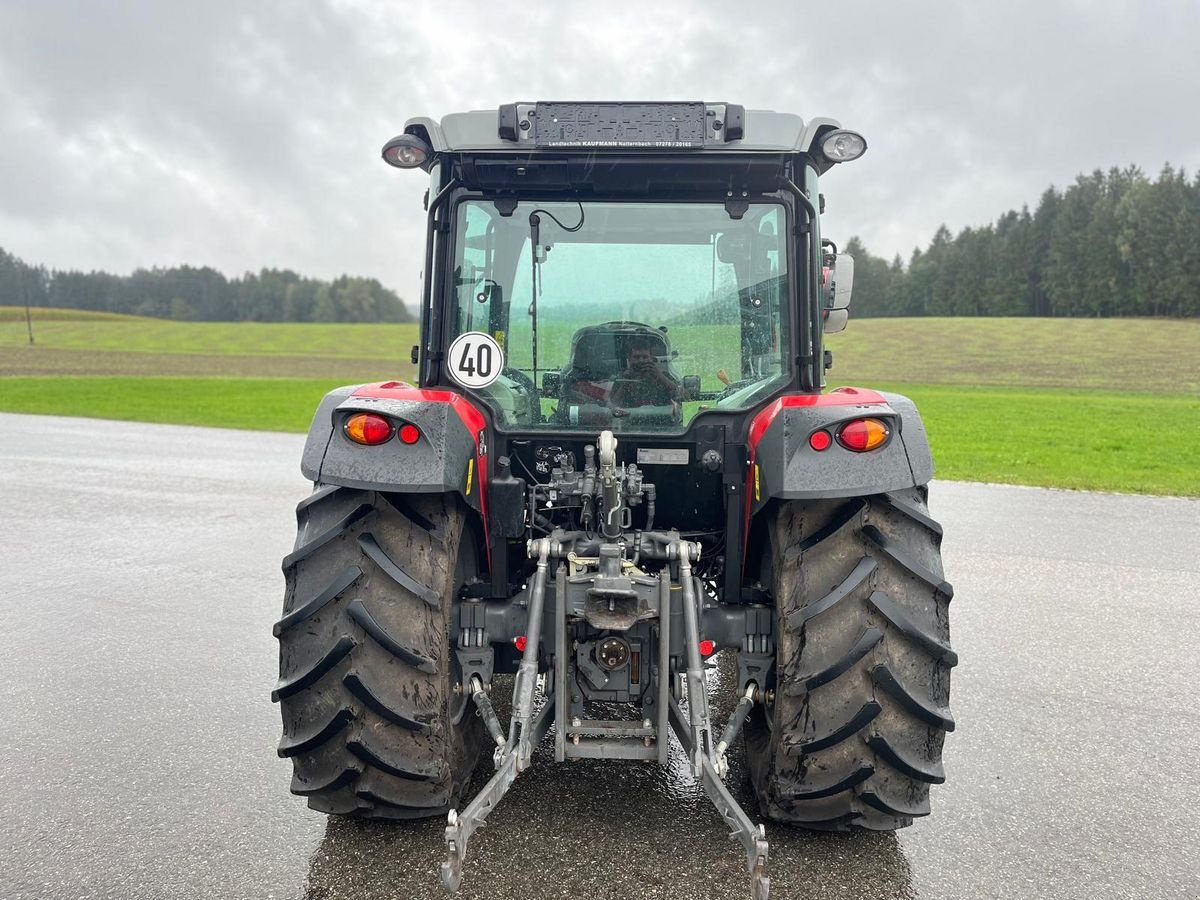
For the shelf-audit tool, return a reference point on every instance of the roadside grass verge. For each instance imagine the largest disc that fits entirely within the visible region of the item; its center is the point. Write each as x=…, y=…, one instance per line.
x=263, y=404
x=1088, y=440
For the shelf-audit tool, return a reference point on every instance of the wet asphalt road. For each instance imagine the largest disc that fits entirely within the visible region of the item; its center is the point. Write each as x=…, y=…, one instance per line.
x=139, y=578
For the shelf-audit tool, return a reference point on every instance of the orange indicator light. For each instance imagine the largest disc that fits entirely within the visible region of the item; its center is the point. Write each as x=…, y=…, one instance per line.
x=368, y=428
x=861, y=435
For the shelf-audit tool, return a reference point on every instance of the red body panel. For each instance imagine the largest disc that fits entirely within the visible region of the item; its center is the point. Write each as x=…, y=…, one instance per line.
x=843, y=396
x=846, y=396
x=471, y=418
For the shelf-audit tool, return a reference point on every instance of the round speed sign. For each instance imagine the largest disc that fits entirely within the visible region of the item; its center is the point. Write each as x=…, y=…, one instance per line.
x=476, y=360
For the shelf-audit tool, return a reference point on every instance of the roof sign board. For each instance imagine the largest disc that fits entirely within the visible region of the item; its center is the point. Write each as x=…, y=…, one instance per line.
x=668, y=126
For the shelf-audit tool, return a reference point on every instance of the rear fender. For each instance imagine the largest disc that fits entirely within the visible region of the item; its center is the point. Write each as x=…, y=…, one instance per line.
x=784, y=465
x=451, y=454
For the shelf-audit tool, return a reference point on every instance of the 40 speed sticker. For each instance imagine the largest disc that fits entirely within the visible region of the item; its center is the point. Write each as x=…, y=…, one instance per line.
x=476, y=360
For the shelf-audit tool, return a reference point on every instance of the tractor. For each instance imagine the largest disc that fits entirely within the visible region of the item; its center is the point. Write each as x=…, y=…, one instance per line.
x=619, y=458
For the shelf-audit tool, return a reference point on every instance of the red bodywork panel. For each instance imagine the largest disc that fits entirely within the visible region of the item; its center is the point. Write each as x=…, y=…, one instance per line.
x=471, y=418
x=843, y=396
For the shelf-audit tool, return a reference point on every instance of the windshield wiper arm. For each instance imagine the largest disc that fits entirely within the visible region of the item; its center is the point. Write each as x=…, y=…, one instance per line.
x=535, y=244
x=536, y=260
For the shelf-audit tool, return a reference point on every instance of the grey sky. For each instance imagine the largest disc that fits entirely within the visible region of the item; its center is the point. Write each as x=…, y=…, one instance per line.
x=247, y=134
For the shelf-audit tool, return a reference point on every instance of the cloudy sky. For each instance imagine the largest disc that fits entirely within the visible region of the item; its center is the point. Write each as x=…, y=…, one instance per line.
x=242, y=135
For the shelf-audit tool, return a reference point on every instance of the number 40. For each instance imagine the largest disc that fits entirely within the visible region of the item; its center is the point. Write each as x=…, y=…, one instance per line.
x=476, y=359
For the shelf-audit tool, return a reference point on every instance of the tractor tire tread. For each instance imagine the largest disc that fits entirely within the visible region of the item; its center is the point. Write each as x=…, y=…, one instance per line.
x=334, y=531
x=798, y=684
x=937, y=716
x=406, y=720
x=316, y=671
x=340, y=582
x=366, y=662
x=358, y=612
x=371, y=548
x=318, y=736
x=852, y=734
x=851, y=727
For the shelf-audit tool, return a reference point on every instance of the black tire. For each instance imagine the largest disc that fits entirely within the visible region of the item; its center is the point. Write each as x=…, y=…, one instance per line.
x=370, y=718
x=852, y=737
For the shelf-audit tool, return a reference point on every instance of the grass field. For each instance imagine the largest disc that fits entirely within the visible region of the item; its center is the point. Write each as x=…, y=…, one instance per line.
x=108, y=332
x=1091, y=404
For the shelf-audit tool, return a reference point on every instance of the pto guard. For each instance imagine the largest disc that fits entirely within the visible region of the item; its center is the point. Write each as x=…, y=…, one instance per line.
x=451, y=454
x=783, y=465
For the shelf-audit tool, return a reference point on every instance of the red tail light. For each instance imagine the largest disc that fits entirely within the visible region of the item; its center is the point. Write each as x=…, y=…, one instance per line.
x=820, y=440
x=707, y=647
x=861, y=435
x=520, y=642
x=368, y=428
x=409, y=433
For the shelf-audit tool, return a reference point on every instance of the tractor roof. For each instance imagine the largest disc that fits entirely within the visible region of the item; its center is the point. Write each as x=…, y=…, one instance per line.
x=558, y=127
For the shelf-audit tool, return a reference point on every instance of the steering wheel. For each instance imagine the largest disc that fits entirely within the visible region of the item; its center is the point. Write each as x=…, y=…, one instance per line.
x=530, y=388
x=520, y=377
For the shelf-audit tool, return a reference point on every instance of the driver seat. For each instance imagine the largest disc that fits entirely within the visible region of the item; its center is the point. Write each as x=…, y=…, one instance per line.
x=595, y=364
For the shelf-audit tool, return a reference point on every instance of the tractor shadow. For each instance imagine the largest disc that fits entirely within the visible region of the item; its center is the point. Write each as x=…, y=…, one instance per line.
x=602, y=829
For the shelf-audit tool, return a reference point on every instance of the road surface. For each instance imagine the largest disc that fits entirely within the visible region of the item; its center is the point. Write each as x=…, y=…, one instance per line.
x=139, y=579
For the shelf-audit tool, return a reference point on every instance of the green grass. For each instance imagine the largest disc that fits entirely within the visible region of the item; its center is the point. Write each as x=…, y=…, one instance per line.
x=1110, y=404
x=264, y=404
x=1072, y=439
x=42, y=314
x=1144, y=355
x=1088, y=440
x=106, y=332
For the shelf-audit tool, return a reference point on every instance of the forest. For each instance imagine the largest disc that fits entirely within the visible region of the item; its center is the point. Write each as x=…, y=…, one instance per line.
x=1114, y=243
x=202, y=294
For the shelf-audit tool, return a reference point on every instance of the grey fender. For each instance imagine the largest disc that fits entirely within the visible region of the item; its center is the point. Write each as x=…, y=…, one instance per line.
x=446, y=457
x=785, y=466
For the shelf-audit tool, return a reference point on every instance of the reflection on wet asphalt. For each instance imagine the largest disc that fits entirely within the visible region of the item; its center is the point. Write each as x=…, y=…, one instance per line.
x=604, y=829
x=140, y=579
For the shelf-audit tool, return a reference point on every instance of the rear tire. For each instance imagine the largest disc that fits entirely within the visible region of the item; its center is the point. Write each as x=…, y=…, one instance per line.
x=853, y=736
x=367, y=674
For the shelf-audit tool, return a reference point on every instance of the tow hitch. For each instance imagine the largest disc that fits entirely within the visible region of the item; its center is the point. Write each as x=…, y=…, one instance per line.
x=580, y=738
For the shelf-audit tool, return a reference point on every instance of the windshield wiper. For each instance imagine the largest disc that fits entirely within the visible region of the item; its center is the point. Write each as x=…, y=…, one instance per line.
x=536, y=260
x=535, y=246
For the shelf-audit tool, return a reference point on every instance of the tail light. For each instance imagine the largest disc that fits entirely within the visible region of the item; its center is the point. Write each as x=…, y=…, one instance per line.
x=409, y=433
x=368, y=428
x=861, y=435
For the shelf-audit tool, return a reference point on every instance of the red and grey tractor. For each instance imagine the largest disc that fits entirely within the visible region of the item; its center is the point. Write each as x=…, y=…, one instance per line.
x=619, y=458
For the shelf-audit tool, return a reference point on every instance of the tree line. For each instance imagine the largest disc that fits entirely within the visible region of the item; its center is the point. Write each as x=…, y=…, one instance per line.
x=1114, y=243
x=202, y=294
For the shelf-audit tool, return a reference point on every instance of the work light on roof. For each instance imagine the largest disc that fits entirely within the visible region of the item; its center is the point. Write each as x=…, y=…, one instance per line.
x=843, y=146
x=406, y=151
